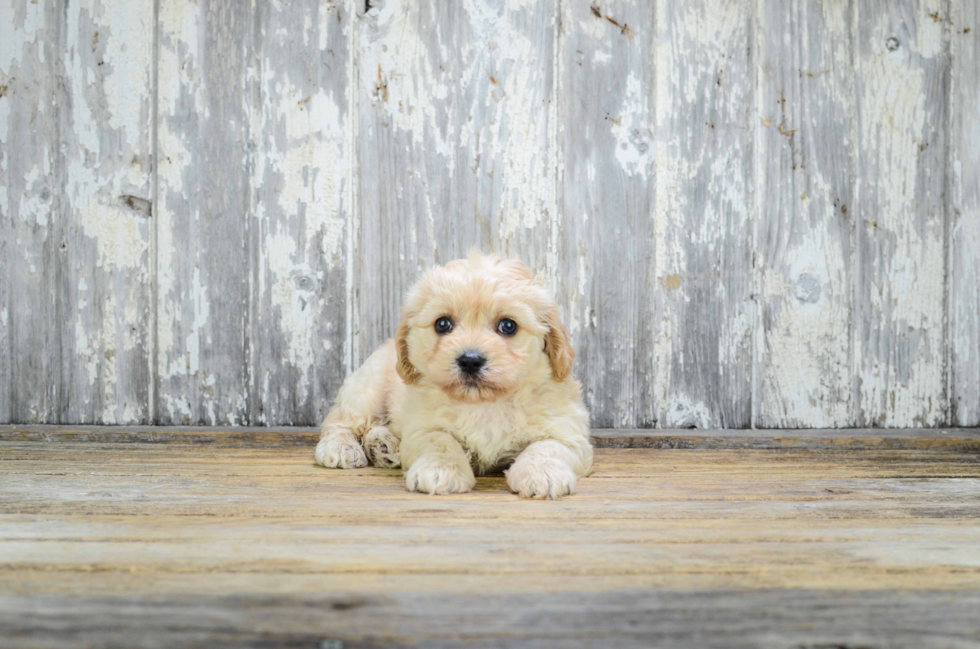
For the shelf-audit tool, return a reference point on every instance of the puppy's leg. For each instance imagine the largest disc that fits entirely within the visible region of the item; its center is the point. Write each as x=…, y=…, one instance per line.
x=435, y=463
x=381, y=447
x=361, y=405
x=549, y=469
x=339, y=448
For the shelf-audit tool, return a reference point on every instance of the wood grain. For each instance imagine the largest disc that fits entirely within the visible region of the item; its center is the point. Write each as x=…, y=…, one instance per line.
x=204, y=190
x=703, y=233
x=406, y=146
x=106, y=139
x=300, y=191
x=965, y=440
x=456, y=146
x=964, y=215
x=104, y=543
x=804, y=259
x=902, y=84
x=606, y=109
x=770, y=619
x=32, y=207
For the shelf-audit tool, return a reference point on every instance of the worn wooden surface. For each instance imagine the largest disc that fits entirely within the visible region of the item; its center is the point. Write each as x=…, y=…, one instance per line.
x=804, y=233
x=212, y=545
x=752, y=213
x=900, y=247
x=703, y=221
x=964, y=216
x=607, y=140
x=952, y=439
x=31, y=208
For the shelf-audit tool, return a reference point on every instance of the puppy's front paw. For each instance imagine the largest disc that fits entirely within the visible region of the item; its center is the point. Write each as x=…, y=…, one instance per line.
x=537, y=477
x=433, y=474
x=381, y=447
x=340, y=451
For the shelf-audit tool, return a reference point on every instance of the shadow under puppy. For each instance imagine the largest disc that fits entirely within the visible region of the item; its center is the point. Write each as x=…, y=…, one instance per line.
x=476, y=380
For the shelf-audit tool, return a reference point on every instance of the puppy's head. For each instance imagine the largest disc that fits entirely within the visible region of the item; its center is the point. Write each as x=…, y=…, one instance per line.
x=479, y=328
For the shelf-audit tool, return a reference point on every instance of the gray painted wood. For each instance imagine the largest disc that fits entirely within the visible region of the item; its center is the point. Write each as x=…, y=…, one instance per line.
x=703, y=220
x=805, y=126
x=301, y=195
x=672, y=170
x=406, y=153
x=203, y=195
x=902, y=85
x=31, y=205
x=105, y=131
x=456, y=146
x=964, y=214
x=607, y=139
x=648, y=617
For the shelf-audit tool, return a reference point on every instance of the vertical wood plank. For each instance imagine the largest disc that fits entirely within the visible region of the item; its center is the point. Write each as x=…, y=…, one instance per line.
x=964, y=215
x=106, y=127
x=506, y=130
x=703, y=227
x=456, y=145
x=606, y=110
x=30, y=212
x=902, y=84
x=406, y=156
x=300, y=181
x=806, y=132
x=204, y=194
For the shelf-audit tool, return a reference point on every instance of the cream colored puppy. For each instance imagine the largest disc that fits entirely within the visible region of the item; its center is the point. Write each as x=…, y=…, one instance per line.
x=476, y=380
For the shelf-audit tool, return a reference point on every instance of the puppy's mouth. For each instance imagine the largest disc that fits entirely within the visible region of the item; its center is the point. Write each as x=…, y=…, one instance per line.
x=474, y=389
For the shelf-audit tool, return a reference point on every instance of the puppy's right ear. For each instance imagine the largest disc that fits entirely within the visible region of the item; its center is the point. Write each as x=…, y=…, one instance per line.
x=405, y=368
x=559, y=348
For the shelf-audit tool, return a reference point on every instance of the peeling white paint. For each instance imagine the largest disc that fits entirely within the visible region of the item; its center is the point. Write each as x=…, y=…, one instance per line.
x=293, y=303
x=16, y=35
x=126, y=29
x=400, y=76
x=901, y=351
x=310, y=164
x=631, y=128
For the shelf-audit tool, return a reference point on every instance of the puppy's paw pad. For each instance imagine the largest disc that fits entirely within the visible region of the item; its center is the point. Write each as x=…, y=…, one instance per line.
x=340, y=452
x=381, y=447
x=435, y=475
x=547, y=478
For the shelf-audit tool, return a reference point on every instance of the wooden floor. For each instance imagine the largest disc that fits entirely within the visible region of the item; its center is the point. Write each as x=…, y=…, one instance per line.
x=238, y=544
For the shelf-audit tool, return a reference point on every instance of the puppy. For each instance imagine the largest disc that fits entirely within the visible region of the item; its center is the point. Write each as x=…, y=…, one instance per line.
x=475, y=381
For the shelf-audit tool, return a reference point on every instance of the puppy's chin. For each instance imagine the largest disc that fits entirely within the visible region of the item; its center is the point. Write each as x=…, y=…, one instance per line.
x=474, y=391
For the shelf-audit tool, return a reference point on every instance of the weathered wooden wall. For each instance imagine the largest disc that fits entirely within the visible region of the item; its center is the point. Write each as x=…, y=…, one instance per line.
x=753, y=213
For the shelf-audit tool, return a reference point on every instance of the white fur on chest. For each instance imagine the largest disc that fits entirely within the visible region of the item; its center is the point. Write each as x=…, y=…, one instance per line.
x=491, y=433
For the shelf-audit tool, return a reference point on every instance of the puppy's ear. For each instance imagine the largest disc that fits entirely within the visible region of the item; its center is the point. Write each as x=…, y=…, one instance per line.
x=557, y=345
x=405, y=368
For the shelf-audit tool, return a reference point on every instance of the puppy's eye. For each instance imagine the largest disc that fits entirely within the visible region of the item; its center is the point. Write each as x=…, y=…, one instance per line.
x=444, y=325
x=507, y=327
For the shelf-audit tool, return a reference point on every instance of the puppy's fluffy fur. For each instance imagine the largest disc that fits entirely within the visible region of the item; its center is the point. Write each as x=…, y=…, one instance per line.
x=410, y=403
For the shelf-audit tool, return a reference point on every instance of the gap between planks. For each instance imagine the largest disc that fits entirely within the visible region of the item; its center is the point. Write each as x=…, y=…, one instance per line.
x=963, y=440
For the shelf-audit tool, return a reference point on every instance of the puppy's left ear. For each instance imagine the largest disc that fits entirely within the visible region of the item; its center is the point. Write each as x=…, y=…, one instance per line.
x=405, y=368
x=557, y=345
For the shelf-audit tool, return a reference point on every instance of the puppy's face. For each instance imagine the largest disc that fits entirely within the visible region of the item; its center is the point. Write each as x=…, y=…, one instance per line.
x=479, y=328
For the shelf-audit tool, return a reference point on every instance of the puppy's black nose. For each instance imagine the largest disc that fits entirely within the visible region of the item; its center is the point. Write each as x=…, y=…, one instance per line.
x=471, y=362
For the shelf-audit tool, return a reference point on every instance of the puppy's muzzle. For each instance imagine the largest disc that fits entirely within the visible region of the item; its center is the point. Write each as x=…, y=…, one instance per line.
x=470, y=363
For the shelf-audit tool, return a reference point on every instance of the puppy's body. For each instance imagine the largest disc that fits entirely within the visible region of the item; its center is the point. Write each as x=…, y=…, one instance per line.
x=413, y=403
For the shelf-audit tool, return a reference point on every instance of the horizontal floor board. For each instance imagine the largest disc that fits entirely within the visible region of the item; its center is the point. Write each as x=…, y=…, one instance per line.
x=109, y=542
x=958, y=439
